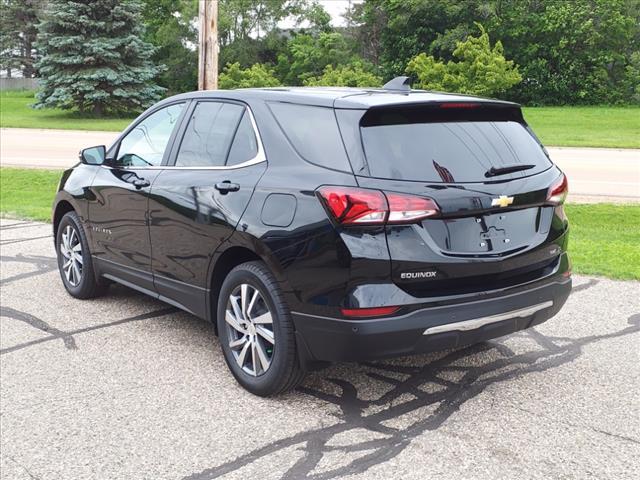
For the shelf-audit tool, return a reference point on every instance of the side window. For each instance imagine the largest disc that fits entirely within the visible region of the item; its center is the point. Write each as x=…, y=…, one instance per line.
x=313, y=132
x=145, y=145
x=208, y=136
x=245, y=144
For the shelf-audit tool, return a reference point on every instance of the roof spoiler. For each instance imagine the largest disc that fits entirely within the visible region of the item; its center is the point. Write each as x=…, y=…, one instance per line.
x=399, y=84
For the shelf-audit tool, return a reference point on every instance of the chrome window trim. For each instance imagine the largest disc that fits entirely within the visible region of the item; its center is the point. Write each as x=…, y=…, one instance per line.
x=259, y=157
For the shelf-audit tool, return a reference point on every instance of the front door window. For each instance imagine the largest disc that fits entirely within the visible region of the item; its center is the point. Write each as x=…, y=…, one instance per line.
x=145, y=145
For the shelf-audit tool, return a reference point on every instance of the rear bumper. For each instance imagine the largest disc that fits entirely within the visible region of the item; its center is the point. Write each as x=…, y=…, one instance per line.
x=429, y=329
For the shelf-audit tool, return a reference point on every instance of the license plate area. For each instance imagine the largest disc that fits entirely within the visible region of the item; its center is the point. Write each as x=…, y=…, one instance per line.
x=485, y=233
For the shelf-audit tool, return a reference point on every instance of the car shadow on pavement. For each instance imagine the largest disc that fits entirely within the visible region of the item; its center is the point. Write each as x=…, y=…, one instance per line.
x=415, y=395
x=379, y=407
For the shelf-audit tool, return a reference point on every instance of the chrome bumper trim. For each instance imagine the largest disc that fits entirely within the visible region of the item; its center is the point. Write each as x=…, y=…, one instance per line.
x=480, y=322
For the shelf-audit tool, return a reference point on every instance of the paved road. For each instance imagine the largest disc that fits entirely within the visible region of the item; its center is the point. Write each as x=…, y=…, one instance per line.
x=125, y=387
x=27, y=147
x=596, y=174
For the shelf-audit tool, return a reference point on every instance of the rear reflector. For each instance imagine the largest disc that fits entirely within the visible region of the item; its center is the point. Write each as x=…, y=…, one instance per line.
x=362, y=206
x=369, y=312
x=558, y=191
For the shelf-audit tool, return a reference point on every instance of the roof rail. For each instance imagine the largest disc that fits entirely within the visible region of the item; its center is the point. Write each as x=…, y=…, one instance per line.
x=398, y=84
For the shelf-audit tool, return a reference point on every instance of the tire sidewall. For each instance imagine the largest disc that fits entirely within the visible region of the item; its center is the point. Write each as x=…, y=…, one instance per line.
x=85, y=282
x=261, y=385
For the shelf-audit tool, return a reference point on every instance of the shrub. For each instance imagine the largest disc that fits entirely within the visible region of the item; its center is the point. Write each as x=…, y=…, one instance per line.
x=258, y=75
x=479, y=69
x=353, y=75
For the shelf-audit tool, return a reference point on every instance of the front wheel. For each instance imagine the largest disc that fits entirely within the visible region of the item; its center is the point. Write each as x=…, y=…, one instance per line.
x=256, y=332
x=74, y=259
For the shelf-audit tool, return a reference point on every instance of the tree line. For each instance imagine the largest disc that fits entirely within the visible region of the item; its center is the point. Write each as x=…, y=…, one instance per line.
x=121, y=55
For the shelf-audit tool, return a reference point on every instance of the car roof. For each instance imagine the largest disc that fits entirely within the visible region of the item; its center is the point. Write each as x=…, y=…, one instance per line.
x=339, y=97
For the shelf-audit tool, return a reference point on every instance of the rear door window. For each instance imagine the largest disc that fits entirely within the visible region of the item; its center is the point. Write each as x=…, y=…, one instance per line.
x=245, y=143
x=209, y=134
x=458, y=151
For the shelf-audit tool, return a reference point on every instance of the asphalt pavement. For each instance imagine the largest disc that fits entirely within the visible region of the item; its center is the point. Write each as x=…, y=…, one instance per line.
x=595, y=174
x=125, y=387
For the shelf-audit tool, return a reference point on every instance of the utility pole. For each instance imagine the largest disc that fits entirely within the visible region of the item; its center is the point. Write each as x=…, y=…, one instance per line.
x=208, y=45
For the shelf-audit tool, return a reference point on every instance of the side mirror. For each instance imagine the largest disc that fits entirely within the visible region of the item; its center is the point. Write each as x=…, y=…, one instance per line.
x=93, y=155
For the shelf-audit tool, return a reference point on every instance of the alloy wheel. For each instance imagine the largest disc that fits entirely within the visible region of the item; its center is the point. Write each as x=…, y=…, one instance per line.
x=250, y=329
x=71, y=250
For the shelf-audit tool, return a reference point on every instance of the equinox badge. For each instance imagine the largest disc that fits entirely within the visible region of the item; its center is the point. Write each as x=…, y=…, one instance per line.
x=501, y=201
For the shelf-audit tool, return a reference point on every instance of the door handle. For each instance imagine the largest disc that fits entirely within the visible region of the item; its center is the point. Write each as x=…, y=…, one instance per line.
x=141, y=182
x=226, y=187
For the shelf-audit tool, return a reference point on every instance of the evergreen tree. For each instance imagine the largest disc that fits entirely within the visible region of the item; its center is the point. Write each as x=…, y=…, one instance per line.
x=18, y=29
x=93, y=58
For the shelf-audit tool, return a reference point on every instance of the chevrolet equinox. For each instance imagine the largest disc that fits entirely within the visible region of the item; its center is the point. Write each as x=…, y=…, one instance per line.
x=315, y=225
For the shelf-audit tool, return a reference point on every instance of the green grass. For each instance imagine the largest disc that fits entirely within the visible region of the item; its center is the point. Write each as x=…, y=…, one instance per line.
x=15, y=111
x=28, y=193
x=604, y=238
x=615, y=127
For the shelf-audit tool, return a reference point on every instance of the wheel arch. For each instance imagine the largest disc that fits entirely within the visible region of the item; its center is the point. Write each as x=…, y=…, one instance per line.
x=238, y=249
x=62, y=207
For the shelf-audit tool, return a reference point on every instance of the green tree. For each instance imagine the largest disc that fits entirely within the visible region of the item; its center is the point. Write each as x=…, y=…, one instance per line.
x=479, y=69
x=171, y=28
x=569, y=52
x=631, y=85
x=394, y=31
x=244, y=19
x=18, y=30
x=258, y=75
x=356, y=74
x=307, y=56
x=249, y=31
x=94, y=58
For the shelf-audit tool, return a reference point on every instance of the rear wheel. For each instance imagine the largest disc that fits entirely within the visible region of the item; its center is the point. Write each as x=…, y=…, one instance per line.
x=256, y=332
x=74, y=259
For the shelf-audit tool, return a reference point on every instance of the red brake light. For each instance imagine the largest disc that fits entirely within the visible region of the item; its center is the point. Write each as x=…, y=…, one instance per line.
x=409, y=208
x=350, y=205
x=355, y=205
x=558, y=191
x=369, y=312
x=459, y=105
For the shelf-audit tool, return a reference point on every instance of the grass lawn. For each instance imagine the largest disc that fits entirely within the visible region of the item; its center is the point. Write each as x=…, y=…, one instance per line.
x=556, y=126
x=28, y=193
x=604, y=239
x=16, y=112
x=616, y=127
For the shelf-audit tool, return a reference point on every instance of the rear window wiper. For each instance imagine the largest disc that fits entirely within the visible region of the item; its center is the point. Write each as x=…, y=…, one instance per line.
x=493, y=171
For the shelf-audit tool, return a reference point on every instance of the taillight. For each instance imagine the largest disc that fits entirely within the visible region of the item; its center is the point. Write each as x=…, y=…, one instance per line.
x=558, y=191
x=355, y=205
x=369, y=312
x=459, y=105
x=409, y=208
x=362, y=206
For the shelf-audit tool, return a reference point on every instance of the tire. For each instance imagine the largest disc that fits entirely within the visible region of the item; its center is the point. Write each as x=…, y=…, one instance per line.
x=283, y=372
x=79, y=280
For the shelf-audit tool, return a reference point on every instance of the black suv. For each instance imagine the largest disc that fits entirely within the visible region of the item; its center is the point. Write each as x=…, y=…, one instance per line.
x=314, y=225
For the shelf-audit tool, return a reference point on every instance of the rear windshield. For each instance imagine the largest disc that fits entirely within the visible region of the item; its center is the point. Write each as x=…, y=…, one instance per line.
x=406, y=147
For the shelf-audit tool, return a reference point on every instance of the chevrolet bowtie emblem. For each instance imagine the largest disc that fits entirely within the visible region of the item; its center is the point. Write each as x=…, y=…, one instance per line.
x=502, y=201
